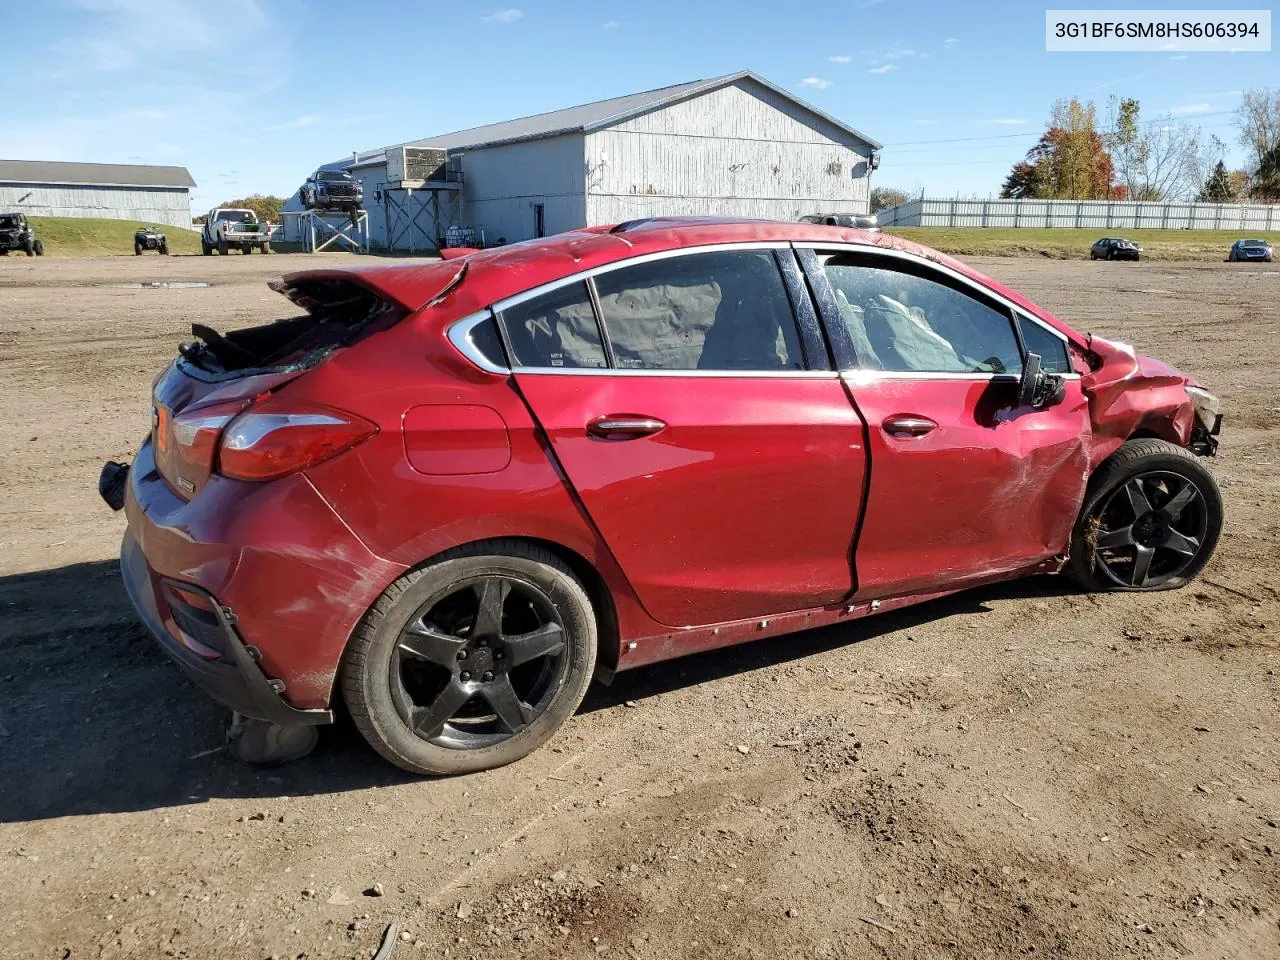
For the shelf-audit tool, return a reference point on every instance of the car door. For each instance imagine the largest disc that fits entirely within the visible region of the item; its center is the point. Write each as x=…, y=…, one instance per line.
x=705, y=432
x=964, y=484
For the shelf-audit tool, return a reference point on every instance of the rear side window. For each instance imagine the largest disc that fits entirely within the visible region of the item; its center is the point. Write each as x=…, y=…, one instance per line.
x=557, y=329
x=726, y=310
x=903, y=322
x=1052, y=350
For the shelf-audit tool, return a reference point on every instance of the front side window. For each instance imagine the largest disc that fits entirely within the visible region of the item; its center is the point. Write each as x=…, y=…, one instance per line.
x=903, y=322
x=1052, y=349
x=557, y=329
x=724, y=310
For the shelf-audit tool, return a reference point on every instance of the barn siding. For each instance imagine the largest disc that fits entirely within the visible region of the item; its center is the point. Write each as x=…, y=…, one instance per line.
x=153, y=205
x=740, y=151
x=502, y=183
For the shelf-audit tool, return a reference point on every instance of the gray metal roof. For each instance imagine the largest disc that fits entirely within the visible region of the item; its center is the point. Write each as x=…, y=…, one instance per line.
x=592, y=116
x=115, y=174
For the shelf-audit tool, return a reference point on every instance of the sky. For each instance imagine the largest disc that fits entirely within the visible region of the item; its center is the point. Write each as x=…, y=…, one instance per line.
x=252, y=95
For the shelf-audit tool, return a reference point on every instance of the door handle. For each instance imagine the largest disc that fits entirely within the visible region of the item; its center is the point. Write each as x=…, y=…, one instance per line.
x=907, y=427
x=624, y=427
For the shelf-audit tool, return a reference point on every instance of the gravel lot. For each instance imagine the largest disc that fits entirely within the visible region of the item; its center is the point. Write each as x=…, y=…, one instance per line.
x=1016, y=770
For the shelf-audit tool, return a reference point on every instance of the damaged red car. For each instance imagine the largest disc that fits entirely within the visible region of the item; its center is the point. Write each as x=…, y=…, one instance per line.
x=449, y=495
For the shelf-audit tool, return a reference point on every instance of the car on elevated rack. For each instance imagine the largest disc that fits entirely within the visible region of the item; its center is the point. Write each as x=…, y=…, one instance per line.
x=332, y=190
x=450, y=494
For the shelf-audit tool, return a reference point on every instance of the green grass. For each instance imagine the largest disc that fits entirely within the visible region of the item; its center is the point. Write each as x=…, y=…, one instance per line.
x=1070, y=244
x=86, y=237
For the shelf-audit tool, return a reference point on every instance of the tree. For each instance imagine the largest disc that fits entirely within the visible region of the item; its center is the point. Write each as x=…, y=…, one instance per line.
x=884, y=197
x=1023, y=182
x=1218, y=188
x=1069, y=162
x=1161, y=160
x=266, y=207
x=1259, y=119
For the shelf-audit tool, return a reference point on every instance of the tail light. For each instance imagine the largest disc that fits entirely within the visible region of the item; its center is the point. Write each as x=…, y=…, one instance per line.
x=186, y=445
x=276, y=438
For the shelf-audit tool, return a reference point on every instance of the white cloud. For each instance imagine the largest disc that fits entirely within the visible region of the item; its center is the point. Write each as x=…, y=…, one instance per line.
x=840, y=58
x=510, y=15
x=125, y=34
x=1181, y=56
x=900, y=53
x=1186, y=108
x=815, y=82
x=885, y=69
x=611, y=25
x=950, y=41
x=1009, y=121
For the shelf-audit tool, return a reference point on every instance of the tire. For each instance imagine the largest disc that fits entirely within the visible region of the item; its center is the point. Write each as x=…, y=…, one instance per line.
x=222, y=248
x=205, y=248
x=38, y=247
x=375, y=671
x=29, y=249
x=164, y=249
x=137, y=249
x=1161, y=472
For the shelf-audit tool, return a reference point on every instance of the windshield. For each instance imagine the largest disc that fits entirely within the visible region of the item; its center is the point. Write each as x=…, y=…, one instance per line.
x=1253, y=243
x=334, y=175
x=8, y=221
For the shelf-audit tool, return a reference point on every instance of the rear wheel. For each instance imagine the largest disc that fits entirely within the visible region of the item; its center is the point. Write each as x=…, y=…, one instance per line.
x=472, y=662
x=137, y=249
x=1151, y=520
x=38, y=247
x=222, y=248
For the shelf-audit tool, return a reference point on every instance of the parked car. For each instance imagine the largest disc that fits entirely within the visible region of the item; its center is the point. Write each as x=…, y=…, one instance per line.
x=17, y=233
x=332, y=190
x=232, y=228
x=857, y=221
x=149, y=238
x=1115, y=248
x=1256, y=250
x=450, y=494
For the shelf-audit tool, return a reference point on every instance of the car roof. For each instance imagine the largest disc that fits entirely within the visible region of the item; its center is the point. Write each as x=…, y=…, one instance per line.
x=500, y=272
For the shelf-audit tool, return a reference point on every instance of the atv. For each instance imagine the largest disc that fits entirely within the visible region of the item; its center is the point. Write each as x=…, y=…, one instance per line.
x=149, y=238
x=16, y=233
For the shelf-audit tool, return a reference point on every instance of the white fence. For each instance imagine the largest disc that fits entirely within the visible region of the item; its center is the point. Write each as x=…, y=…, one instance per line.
x=1089, y=214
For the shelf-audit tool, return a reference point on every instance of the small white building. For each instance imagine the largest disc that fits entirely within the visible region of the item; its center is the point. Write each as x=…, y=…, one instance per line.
x=735, y=145
x=115, y=191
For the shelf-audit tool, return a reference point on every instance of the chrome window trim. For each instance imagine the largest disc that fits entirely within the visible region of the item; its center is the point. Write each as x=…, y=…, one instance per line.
x=582, y=275
x=459, y=334
x=739, y=374
x=827, y=248
x=857, y=377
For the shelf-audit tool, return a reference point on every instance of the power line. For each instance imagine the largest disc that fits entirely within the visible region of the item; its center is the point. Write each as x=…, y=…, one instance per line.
x=1158, y=121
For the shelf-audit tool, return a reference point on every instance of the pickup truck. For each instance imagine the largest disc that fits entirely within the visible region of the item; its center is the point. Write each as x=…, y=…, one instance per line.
x=227, y=229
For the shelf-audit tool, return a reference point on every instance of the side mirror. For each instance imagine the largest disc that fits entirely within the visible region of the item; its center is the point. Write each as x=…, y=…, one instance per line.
x=1036, y=388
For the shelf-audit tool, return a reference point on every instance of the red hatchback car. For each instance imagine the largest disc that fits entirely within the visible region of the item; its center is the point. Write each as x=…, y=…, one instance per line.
x=453, y=493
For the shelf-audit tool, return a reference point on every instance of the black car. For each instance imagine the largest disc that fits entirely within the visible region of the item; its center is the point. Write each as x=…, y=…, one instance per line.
x=1115, y=248
x=1257, y=250
x=855, y=220
x=16, y=233
x=332, y=190
x=149, y=238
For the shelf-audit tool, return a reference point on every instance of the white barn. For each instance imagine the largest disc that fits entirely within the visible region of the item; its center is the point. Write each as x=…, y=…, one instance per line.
x=116, y=191
x=735, y=145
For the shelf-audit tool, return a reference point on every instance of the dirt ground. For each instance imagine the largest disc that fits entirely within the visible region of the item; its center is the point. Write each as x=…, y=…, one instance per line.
x=1019, y=770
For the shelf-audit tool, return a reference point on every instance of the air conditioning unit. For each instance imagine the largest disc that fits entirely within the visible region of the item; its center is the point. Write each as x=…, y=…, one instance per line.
x=416, y=163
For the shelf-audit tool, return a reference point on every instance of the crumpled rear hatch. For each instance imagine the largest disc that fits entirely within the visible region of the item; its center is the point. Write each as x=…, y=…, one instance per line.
x=216, y=376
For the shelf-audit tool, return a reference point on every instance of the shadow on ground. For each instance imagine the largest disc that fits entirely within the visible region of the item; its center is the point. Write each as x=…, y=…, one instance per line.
x=95, y=719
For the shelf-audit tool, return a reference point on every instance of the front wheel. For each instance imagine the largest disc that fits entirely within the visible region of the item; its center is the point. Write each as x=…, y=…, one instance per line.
x=164, y=249
x=137, y=249
x=472, y=662
x=1151, y=519
x=38, y=247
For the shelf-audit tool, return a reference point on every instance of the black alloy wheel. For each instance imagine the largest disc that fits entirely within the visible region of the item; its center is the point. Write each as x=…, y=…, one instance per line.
x=1151, y=529
x=477, y=665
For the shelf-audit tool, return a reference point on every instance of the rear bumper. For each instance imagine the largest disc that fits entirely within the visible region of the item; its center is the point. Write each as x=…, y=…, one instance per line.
x=235, y=681
x=282, y=578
